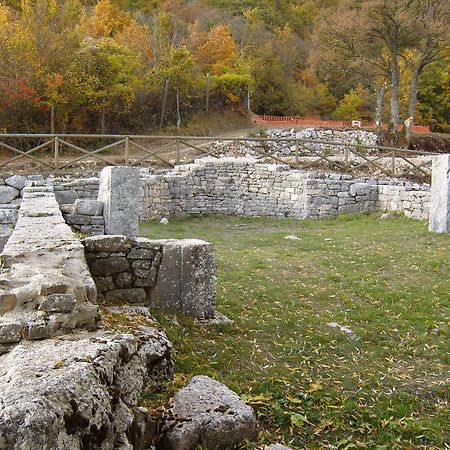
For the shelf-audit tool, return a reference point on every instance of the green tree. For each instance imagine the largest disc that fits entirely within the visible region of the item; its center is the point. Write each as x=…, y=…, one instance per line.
x=103, y=77
x=355, y=105
x=434, y=96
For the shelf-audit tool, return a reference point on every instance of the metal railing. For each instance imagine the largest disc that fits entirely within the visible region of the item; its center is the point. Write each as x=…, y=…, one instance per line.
x=62, y=151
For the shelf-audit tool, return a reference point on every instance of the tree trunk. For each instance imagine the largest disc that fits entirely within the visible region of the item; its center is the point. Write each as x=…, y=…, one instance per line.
x=164, y=102
x=207, y=93
x=381, y=91
x=178, y=111
x=102, y=122
x=52, y=119
x=395, y=116
x=413, y=90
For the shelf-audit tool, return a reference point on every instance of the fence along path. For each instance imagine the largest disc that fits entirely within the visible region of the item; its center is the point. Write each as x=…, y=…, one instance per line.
x=305, y=121
x=62, y=151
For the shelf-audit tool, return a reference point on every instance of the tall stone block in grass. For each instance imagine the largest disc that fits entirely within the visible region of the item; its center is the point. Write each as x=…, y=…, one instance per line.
x=186, y=279
x=440, y=195
x=119, y=192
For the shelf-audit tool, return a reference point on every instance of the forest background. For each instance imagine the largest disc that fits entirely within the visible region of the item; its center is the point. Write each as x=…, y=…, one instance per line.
x=139, y=65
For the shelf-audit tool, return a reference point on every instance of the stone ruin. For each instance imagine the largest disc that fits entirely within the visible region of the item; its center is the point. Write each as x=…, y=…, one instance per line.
x=69, y=382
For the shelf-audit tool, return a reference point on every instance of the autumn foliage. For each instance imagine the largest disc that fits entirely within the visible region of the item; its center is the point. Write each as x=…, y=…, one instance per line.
x=135, y=65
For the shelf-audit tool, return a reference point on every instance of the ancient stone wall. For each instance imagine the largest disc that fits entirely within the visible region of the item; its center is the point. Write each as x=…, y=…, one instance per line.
x=68, y=190
x=124, y=268
x=241, y=186
x=45, y=286
x=177, y=276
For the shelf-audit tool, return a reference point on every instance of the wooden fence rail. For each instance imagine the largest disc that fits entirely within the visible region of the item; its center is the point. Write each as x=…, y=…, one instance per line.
x=62, y=151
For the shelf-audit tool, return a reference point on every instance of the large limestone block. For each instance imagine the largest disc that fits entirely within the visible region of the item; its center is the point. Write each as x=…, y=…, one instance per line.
x=119, y=191
x=186, y=279
x=81, y=391
x=208, y=414
x=440, y=195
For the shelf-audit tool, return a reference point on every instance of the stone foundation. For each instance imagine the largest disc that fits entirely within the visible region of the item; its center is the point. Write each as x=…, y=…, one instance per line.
x=45, y=285
x=176, y=276
x=241, y=186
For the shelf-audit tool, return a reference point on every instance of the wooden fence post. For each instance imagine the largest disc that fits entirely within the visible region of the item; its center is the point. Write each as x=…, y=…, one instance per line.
x=56, y=152
x=127, y=150
x=178, y=150
x=393, y=163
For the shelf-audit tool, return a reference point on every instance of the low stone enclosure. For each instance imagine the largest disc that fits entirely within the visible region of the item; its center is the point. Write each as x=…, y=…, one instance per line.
x=240, y=186
x=70, y=381
x=67, y=381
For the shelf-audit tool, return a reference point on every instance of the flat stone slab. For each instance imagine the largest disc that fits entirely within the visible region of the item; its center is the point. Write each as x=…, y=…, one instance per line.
x=81, y=391
x=42, y=258
x=208, y=414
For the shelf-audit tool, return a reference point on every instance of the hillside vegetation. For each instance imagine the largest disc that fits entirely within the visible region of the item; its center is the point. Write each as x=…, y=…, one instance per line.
x=137, y=65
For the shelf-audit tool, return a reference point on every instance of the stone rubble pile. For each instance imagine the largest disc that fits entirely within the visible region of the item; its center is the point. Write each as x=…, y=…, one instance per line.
x=253, y=148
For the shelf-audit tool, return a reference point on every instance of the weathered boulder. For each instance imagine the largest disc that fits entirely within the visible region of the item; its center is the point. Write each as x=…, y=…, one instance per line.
x=208, y=414
x=278, y=447
x=8, y=215
x=81, y=391
x=66, y=197
x=8, y=193
x=16, y=181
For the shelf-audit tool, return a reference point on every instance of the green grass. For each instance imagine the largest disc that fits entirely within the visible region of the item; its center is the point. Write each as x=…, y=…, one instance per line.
x=312, y=385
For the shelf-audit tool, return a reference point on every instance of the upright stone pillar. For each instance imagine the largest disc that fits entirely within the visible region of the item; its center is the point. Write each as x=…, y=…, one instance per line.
x=119, y=192
x=440, y=195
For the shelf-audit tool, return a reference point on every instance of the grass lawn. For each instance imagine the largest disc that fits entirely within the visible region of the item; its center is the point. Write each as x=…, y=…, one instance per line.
x=382, y=383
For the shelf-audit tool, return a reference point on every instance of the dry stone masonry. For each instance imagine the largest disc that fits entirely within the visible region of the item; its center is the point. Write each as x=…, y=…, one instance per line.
x=85, y=216
x=68, y=190
x=11, y=190
x=177, y=276
x=248, y=148
x=124, y=268
x=241, y=186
